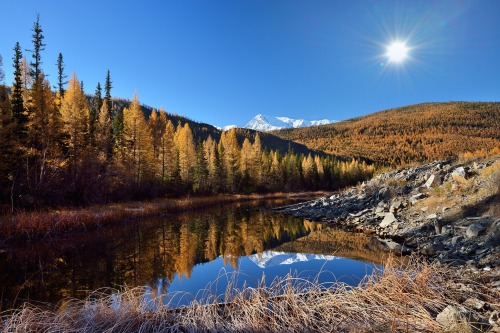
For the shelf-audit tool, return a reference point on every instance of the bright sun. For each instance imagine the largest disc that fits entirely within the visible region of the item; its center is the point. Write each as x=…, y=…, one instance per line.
x=397, y=52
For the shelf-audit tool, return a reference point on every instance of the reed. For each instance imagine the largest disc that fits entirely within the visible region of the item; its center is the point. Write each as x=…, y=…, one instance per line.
x=399, y=298
x=47, y=224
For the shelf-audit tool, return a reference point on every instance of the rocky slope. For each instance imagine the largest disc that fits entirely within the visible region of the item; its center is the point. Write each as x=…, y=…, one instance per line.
x=443, y=210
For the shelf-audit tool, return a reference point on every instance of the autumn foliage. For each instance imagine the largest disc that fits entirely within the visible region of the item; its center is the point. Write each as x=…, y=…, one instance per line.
x=67, y=148
x=416, y=133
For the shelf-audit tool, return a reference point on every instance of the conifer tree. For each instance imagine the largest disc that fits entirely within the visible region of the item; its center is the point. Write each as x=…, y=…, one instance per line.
x=167, y=151
x=104, y=137
x=246, y=165
x=17, y=102
x=61, y=77
x=38, y=47
x=138, y=141
x=156, y=125
x=7, y=142
x=107, y=92
x=187, y=153
x=94, y=118
x=75, y=115
x=200, y=183
x=210, y=150
x=231, y=158
x=256, y=160
x=117, y=129
x=43, y=167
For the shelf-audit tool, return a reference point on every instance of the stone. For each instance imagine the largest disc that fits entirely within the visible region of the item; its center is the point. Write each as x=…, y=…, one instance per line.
x=432, y=181
x=416, y=197
x=383, y=193
x=446, y=229
x=424, y=209
x=432, y=249
x=394, y=246
x=431, y=216
x=396, y=204
x=474, y=303
x=474, y=230
x=494, y=320
x=388, y=220
x=450, y=317
x=459, y=175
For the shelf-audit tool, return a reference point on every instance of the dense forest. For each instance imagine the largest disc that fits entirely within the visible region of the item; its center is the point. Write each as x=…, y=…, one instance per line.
x=63, y=147
x=416, y=133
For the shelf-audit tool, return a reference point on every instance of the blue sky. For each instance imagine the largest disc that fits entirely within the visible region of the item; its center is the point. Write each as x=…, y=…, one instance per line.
x=224, y=61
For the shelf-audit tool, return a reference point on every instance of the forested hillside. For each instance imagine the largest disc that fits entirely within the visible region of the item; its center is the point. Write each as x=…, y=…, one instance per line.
x=201, y=130
x=415, y=133
x=64, y=147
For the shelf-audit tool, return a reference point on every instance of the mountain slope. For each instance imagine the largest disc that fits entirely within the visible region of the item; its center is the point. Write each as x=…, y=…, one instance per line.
x=415, y=133
x=268, y=123
x=269, y=141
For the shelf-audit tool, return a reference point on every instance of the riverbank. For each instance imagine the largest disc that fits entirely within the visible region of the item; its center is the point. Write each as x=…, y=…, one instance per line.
x=32, y=225
x=447, y=211
x=415, y=297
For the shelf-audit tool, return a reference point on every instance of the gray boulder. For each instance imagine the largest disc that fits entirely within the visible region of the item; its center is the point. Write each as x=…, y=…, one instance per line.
x=416, y=197
x=474, y=230
x=432, y=249
x=450, y=317
x=388, y=220
x=433, y=180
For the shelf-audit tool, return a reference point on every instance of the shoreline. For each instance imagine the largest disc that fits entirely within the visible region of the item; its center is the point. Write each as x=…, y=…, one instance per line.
x=32, y=225
x=444, y=210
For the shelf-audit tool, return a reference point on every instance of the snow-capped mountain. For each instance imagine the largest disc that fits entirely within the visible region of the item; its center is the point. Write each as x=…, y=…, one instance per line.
x=268, y=123
x=273, y=258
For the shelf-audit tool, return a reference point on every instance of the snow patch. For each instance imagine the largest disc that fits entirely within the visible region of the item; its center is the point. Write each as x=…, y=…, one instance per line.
x=268, y=123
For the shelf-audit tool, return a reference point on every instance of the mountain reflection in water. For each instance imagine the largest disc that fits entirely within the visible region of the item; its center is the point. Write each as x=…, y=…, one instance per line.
x=140, y=253
x=160, y=252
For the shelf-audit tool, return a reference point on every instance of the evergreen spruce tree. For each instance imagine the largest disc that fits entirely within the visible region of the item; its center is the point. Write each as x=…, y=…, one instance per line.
x=17, y=102
x=38, y=47
x=107, y=92
x=61, y=76
x=117, y=131
x=94, y=120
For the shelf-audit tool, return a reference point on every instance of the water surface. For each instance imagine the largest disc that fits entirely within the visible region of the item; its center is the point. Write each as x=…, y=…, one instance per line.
x=182, y=252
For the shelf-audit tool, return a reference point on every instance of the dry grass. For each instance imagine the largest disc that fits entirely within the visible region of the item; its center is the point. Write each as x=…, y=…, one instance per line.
x=46, y=224
x=397, y=299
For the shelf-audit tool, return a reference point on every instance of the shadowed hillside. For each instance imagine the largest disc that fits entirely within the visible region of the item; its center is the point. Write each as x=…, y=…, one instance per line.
x=415, y=133
x=269, y=141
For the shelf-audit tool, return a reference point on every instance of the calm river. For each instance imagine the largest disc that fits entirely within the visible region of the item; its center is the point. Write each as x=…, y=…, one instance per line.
x=184, y=253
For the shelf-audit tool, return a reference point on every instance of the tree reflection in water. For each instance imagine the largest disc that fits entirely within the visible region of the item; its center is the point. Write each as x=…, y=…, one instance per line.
x=148, y=252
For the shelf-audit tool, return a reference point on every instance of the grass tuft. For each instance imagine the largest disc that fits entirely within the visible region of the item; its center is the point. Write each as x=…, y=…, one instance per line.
x=30, y=225
x=400, y=298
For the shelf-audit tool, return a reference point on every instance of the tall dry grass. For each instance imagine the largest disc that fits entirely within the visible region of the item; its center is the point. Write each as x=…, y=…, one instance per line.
x=397, y=299
x=47, y=224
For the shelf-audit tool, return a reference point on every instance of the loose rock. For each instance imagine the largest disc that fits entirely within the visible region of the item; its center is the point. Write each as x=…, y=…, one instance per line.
x=388, y=220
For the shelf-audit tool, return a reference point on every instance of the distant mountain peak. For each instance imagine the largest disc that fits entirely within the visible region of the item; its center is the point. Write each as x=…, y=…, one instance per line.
x=268, y=123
